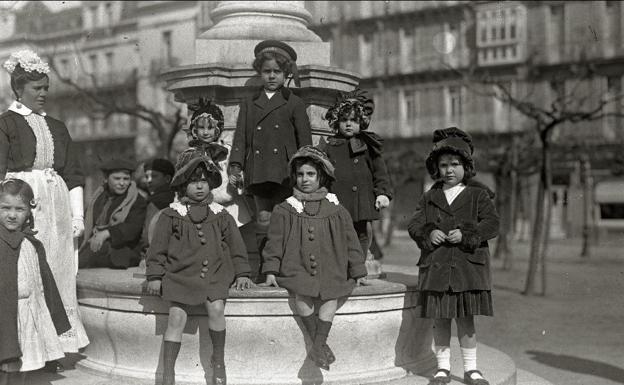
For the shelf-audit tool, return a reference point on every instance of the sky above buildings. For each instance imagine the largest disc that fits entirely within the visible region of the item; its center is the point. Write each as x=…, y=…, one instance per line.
x=54, y=6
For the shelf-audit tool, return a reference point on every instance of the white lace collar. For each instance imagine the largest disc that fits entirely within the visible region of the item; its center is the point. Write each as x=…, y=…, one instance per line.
x=298, y=206
x=183, y=209
x=21, y=109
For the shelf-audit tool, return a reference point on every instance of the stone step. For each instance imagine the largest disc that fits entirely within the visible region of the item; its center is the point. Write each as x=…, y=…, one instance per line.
x=498, y=368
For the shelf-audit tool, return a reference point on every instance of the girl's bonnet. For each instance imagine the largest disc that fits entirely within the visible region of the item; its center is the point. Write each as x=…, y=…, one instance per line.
x=315, y=155
x=208, y=113
x=188, y=162
x=450, y=140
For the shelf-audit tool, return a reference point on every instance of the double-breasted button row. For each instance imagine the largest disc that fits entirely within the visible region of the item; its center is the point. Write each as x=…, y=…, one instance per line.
x=313, y=263
x=204, y=269
x=275, y=151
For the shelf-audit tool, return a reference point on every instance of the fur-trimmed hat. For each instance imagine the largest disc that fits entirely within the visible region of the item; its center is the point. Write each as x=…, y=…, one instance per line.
x=187, y=163
x=454, y=141
x=315, y=155
x=356, y=101
x=161, y=165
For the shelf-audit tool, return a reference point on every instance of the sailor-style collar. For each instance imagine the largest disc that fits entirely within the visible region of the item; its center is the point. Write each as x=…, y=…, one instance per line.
x=21, y=109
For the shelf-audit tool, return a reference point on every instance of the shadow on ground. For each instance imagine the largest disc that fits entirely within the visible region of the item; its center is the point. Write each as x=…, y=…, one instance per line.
x=579, y=365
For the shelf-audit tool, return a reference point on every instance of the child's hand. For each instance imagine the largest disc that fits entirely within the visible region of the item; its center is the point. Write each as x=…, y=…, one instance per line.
x=270, y=281
x=382, y=202
x=437, y=237
x=242, y=283
x=454, y=236
x=153, y=287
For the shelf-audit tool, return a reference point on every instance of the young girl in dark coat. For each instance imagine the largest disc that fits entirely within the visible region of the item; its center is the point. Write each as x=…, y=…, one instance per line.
x=313, y=250
x=451, y=225
x=195, y=256
x=32, y=315
x=271, y=126
x=362, y=180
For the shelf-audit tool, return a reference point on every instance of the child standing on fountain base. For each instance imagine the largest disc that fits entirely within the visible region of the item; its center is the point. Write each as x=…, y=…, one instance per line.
x=312, y=249
x=195, y=255
x=451, y=225
x=271, y=126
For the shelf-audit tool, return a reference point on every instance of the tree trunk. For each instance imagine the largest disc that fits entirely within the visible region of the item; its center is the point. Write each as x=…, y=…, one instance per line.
x=546, y=233
x=513, y=191
x=538, y=225
x=587, y=205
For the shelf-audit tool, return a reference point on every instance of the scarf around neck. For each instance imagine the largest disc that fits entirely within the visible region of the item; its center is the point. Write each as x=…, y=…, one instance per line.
x=317, y=195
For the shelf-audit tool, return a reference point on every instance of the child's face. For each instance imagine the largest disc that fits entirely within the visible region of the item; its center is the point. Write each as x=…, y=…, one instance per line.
x=307, y=178
x=272, y=75
x=451, y=169
x=118, y=182
x=205, y=130
x=13, y=212
x=349, y=126
x=155, y=179
x=198, y=190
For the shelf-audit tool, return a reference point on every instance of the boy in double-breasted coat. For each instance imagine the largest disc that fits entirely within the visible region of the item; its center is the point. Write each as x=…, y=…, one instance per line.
x=271, y=126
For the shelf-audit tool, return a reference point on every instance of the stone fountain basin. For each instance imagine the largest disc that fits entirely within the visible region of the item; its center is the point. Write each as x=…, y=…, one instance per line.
x=376, y=335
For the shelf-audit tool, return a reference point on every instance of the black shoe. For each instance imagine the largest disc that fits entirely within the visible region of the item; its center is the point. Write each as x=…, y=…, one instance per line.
x=319, y=357
x=218, y=374
x=440, y=380
x=54, y=367
x=331, y=358
x=479, y=381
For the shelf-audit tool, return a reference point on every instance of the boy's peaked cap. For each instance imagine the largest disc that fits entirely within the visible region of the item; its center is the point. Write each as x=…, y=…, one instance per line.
x=276, y=46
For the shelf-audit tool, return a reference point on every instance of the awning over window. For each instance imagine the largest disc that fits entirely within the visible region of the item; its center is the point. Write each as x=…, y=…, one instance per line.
x=611, y=191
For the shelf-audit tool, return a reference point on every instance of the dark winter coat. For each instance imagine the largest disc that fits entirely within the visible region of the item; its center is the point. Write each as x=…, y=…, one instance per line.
x=18, y=146
x=361, y=176
x=10, y=243
x=458, y=267
x=199, y=261
x=268, y=133
x=314, y=255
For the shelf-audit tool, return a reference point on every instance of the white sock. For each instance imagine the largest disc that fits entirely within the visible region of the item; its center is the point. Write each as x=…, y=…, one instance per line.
x=443, y=355
x=470, y=361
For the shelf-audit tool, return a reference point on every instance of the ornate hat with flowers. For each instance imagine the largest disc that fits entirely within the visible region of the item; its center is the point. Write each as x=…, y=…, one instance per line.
x=450, y=140
x=207, y=111
x=28, y=60
x=355, y=101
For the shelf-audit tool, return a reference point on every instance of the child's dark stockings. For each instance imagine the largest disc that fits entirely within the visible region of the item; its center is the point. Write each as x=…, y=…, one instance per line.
x=218, y=359
x=170, y=354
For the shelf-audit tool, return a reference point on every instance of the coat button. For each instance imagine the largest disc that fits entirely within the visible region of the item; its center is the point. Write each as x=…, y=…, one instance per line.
x=311, y=229
x=275, y=150
x=198, y=226
x=202, y=240
x=205, y=263
x=354, y=188
x=257, y=152
x=312, y=257
x=277, y=126
x=356, y=160
x=313, y=264
x=311, y=237
x=204, y=269
x=202, y=275
x=313, y=272
x=259, y=128
x=200, y=233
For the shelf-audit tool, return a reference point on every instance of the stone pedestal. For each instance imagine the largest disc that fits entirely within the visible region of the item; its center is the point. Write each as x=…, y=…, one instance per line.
x=377, y=335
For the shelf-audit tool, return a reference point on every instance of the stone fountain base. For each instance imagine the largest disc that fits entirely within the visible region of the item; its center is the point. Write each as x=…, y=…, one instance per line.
x=376, y=335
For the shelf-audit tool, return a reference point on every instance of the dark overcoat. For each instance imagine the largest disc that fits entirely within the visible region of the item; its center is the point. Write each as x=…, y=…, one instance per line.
x=361, y=176
x=18, y=145
x=196, y=261
x=314, y=255
x=268, y=133
x=10, y=244
x=458, y=267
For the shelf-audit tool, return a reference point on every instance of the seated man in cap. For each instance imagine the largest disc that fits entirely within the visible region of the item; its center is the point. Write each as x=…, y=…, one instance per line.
x=114, y=220
x=158, y=174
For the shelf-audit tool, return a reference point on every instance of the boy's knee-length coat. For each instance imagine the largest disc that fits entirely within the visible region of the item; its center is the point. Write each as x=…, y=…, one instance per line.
x=458, y=267
x=196, y=261
x=314, y=255
x=268, y=133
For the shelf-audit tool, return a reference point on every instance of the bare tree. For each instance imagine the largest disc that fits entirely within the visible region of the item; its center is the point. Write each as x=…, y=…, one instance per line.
x=102, y=104
x=571, y=106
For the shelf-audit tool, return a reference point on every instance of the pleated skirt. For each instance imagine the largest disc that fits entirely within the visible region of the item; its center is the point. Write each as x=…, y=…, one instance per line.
x=436, y=304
